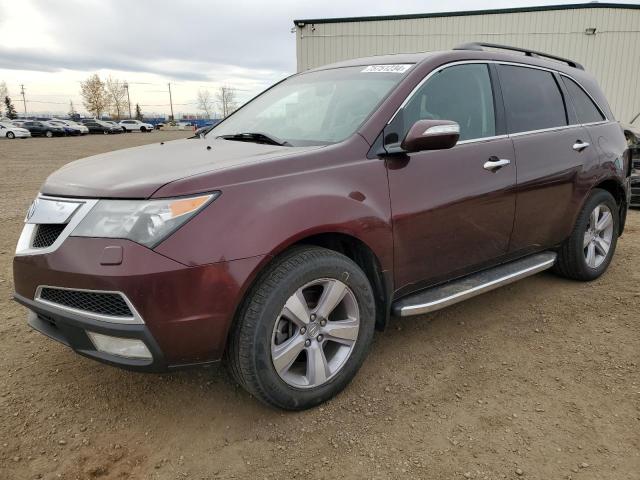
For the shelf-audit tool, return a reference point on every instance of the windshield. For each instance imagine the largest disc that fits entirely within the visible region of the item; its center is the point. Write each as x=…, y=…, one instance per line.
x=315, y=108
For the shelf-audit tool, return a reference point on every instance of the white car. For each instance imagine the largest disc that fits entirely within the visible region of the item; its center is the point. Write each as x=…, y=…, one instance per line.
x=9, y=130
x=71, y=124
x=135, y=126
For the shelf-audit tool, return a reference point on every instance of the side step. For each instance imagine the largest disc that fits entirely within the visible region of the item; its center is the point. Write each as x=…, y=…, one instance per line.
x=458, y=290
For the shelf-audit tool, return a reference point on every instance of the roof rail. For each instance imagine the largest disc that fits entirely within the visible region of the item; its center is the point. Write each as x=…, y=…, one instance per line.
x=529, y=53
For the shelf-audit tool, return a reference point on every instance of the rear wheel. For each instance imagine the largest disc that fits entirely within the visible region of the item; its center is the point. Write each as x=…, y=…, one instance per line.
x=304, y=329
x=11, y=135
x=587, y=253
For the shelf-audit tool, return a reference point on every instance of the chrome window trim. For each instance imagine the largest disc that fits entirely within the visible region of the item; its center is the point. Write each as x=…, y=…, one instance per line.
x=501, y=62
x=481, y=139
x=26, y=237
x=543, y=130
x=136, y=319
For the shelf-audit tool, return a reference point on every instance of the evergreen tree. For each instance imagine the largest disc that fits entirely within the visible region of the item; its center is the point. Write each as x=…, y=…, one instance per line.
x=139, y=114
x=10, y=109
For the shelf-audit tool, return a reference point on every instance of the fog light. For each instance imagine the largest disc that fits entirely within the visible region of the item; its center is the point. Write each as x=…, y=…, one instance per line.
x=122, y=347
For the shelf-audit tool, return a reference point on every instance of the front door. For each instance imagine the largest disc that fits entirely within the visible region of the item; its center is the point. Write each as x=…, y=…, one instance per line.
x=452, y=214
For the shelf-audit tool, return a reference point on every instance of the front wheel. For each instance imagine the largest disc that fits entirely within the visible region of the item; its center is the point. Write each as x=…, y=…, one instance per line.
x=587, y=253
x=11, y=135
x=303, y=330
x=48, y=134
x=143, y=129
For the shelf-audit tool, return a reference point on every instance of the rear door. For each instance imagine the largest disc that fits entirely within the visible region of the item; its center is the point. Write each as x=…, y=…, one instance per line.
x=450, y=214
x=551, y=153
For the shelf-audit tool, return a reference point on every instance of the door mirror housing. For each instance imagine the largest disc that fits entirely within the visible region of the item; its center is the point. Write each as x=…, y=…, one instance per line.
x=431, y=135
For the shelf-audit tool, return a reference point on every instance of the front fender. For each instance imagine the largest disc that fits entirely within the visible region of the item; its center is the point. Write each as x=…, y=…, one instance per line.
x=264, y=216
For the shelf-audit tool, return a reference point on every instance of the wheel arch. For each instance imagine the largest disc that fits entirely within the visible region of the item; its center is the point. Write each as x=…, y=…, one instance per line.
x=617, y=191
x=364, y=256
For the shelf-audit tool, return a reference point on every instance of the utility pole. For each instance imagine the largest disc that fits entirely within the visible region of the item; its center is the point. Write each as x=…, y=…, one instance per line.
x=126, y=86
x=171, y=102
x=24, y=101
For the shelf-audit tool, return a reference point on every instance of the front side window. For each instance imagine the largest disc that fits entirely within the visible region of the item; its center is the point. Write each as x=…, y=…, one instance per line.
x=586, y=110
x=532, y=99
x=461, y=93
x=315, y=108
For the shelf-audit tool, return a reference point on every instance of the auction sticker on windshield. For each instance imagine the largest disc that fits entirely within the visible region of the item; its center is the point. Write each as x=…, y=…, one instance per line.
x=387, y=68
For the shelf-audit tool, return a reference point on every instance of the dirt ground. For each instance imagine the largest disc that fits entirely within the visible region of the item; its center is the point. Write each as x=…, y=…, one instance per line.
x=537, y=380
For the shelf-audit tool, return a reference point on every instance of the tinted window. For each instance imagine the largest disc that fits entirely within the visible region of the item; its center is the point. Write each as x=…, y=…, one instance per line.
x=586, y=110
x=532, y=99
x=461, y=93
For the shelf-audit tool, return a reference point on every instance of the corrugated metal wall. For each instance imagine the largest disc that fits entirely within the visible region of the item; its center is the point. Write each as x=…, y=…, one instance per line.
x=612, y=54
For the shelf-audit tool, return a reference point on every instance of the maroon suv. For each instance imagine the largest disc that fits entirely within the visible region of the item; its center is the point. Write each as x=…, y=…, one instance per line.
x=342, y=195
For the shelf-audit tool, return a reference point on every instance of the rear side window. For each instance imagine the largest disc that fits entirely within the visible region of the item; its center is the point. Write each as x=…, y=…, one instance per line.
x=532, y=99
x=460, y=93
x=586, y=110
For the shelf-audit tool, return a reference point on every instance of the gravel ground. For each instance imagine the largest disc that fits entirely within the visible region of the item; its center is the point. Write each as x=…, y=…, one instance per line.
x=537, y=380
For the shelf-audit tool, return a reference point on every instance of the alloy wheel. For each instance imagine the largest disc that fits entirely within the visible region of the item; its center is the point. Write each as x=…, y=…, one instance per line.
x=598, y=236
x=315, y=333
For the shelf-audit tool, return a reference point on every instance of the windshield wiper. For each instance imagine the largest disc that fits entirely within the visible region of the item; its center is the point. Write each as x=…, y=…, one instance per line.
x=257, y=137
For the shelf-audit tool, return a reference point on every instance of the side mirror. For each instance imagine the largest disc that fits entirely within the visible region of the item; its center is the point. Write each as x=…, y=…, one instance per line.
x=431, y=135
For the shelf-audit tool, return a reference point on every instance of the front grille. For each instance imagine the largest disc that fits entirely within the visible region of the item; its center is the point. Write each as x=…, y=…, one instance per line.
x=47, y=234
x=100, y=303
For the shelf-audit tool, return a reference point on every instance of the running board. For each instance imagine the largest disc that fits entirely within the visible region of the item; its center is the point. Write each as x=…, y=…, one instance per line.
x=456, y=291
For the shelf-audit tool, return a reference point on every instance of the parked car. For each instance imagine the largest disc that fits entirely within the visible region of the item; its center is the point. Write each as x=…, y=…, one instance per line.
x=68, y=129
x=99, y=126
x=11, y=131
x=632, y=132
x=72, y=126
x=281, y=239
x=43, y=129
x=135, y=126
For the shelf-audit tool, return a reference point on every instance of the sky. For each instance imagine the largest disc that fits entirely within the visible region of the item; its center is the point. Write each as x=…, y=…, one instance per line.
x=50, y=46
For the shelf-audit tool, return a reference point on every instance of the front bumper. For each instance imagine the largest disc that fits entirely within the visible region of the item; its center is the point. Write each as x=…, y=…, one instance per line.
x=71, y=329
x=187, y=311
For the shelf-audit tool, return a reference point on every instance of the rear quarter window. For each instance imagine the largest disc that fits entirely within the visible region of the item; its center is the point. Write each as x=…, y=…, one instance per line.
x=585, y=109
x=532, y=98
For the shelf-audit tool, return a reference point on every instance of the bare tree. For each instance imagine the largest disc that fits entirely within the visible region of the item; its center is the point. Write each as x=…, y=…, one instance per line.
x=117, y=95
x=205, y=102
x=226, y=98
x=94, y=95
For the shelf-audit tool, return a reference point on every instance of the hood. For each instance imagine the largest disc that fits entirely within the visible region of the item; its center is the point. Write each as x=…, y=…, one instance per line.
x=139, y=172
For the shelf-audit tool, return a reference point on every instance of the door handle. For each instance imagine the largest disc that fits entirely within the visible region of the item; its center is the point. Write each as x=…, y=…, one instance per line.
x=579, y=145
x=494, y=164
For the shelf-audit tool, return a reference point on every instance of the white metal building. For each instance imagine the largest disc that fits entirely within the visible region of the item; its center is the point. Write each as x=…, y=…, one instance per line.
x=604, y=37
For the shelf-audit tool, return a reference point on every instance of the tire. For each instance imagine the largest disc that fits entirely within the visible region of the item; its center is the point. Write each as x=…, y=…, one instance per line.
x=262, y=321
x=11, y=135
x=124, y=130
x=105, y=132
x=143, y=129
x=581, y=256
x=48, y=134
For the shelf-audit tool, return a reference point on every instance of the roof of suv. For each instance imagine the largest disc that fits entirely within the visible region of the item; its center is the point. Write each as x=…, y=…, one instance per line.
x=468, y=52
x=451, y=56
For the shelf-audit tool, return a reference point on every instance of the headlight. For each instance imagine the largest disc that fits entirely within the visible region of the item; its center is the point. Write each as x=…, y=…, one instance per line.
x=144, y=221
